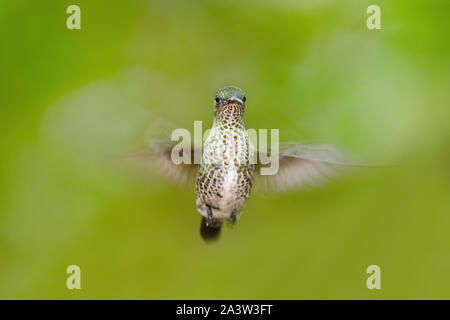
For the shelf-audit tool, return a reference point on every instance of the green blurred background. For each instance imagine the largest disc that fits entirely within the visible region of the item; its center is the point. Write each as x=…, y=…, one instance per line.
x=71, y=100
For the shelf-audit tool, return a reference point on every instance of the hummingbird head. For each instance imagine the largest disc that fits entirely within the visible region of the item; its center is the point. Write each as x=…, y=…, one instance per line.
x=229, y=102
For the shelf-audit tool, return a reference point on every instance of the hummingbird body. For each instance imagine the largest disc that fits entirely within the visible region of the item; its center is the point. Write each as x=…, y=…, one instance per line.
x=226, y=175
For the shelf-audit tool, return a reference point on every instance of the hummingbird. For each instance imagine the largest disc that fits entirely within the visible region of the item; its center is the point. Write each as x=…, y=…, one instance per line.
x=225, y=176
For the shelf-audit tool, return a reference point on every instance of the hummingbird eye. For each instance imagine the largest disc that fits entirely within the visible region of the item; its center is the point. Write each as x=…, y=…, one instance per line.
x=243, y=99
x=217, y=99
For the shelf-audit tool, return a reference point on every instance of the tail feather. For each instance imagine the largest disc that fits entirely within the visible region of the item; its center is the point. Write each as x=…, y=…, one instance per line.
x=210, y=233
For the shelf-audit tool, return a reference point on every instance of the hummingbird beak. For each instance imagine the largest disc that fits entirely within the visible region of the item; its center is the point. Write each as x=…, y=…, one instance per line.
x=235, y=99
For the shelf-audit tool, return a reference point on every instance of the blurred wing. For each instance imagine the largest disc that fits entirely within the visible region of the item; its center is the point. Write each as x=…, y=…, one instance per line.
x=302, y=166
x=157, y=157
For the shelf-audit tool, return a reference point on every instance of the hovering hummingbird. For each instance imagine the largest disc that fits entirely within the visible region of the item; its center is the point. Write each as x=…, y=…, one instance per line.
x=226, y=174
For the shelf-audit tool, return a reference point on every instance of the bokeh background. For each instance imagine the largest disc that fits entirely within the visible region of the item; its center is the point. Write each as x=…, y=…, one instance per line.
x=72, y=100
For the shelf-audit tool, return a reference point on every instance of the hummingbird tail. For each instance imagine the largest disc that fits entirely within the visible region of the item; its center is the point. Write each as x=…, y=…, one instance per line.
x=210, y=232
